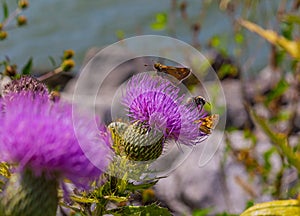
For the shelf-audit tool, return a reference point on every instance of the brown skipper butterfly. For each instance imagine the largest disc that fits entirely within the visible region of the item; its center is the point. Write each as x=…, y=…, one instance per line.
x=208, y=123
x=179, y=73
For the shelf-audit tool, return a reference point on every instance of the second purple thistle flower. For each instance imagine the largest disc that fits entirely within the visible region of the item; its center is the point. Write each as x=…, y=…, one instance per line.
x=158, y=112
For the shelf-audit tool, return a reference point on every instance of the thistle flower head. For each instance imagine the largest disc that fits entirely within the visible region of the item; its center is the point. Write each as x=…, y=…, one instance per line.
x=155, y=102
x=39, y=135
x=25, y=84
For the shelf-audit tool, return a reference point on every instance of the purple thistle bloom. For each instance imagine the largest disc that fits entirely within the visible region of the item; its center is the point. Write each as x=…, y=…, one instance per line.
x=39, y=135
x=25, y=84
x=156, y=103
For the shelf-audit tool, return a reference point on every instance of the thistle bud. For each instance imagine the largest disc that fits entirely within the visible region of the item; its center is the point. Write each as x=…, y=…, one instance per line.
x=55, y=96
x=10, y=70
x=68, y=54
x=140, y=144
x=21, y=20
x=23, y=4
x=67, y=65
x=3, y=35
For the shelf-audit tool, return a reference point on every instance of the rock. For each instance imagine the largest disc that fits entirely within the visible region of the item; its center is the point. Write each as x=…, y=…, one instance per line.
x=237, y=116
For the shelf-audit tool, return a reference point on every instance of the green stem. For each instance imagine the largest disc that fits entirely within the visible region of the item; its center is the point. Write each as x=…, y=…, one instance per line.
x=29, y=195
x=280, y=140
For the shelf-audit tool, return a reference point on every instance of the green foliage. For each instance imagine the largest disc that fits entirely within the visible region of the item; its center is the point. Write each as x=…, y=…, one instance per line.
x=5, y=10
x=239, y=38
x=27, y=67
x=140, y=211
x=160, y=23
x=287, y=30
x=277, y=207
x=201, y=212
x=291, y=18
x=120, y=34
x=276, y=92
x=267, y=156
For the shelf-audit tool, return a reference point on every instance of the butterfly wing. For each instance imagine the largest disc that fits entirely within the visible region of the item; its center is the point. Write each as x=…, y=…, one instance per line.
x=208, y=123
x=179, y=73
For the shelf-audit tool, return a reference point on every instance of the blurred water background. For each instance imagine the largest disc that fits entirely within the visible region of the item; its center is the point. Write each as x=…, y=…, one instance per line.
x=55, y=25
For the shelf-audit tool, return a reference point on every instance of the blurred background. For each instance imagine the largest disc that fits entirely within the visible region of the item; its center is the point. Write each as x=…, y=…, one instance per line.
x=58, y=25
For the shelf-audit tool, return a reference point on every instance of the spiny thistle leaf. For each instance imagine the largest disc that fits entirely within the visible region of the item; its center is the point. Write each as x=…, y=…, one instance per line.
x=4, y=170
x=140, y=210
x=83, y=199
x=277, y=207
x=132, y=186
x=116, y=198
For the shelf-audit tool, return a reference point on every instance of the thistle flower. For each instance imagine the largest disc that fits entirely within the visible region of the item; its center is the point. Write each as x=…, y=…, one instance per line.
x=156, y=103
x=25, y=84
x=40, y=136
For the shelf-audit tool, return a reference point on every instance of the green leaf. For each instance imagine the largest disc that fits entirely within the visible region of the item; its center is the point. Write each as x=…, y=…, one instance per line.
x=5, y=10
x=120, y=34
x=140, y=211
x=249, y=204
x=201, y=212
x=280, y=140
x=215, y=41
x=287, y=30
x=52, y=61
x=279, y=89
x=291, y=18
x=239, y=38
x=227, y=70
x=226, y=214
x=116, y=198
x=267, y=156
x=281, y=116
x=27, y=68
x=4, y=170
x=160, y=23
x=276, y=207
x=133, y=187
x=83, y=199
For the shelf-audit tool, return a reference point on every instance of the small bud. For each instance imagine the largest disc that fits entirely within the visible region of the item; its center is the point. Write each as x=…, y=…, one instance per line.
x=3, y=35
x=68, y=54
x=23, y=4
x=1, y=26
x=67, y=65
x=196, y=27
x=21, y=20
x=148, y=195
x=54, y=96
x=10, y=70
